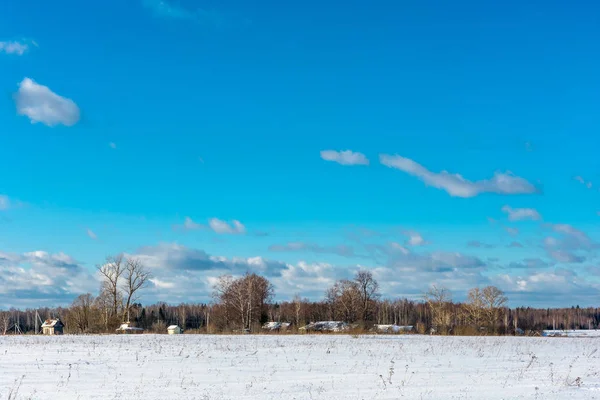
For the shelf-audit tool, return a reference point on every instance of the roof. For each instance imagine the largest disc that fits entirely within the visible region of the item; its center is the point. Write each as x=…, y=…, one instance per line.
x=173, y=327
x=276, y=325
x=329, y=326
x=51, y=323
x=125, y=327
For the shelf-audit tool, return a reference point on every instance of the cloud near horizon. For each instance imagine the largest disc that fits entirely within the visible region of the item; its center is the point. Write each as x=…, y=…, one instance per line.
x=186, y=274
x=455, y=185
x=39, y=278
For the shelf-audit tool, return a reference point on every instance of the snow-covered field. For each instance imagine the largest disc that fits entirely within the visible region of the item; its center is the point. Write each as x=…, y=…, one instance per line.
x=298, y=367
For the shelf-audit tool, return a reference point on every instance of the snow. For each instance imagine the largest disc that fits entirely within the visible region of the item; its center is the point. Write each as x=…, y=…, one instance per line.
x=393, y=328
x=274, y=326
x=327, y=367
x=572, y=333
x=326, y=326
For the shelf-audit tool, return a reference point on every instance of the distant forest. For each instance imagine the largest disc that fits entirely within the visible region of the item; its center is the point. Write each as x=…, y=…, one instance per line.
x=246, y=303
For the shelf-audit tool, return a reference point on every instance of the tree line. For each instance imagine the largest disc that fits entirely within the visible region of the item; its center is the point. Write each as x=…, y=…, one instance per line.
x=245, y=303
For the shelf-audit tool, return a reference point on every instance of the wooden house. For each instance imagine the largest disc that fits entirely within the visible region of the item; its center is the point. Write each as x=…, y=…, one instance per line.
x=52, y=327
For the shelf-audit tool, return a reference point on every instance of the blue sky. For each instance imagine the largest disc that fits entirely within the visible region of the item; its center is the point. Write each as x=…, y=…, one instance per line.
x=149, y=127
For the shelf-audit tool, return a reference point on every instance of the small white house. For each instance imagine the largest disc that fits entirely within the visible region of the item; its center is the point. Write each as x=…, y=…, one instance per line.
x=174, y=330
x=52, y=327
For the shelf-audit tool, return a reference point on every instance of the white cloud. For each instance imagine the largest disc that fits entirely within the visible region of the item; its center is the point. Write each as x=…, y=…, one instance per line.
x=520, y=214
x=112, y=145
x=512, y=231
x=91, y=234
x=455, y=185
x=41, y=104
x=15, y=47
x=345, y=157
x=224, y=227
x=569, y=244
x=4, y=202
x=558, y=288
x=215, y=224
x=415, y=239
x=39, y=278
x=190, y=225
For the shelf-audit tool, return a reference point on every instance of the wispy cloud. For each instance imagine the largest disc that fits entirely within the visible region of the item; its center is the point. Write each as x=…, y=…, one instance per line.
x=173, y=10
x=345, y=157
x=4, y=202
x=91, y=234
x=16, y=47
x=340, y=250
x=40, y=104
x=415, y=239
x=520, y=214
x=224, y=227
x=512, y=231
x=112, y=145
x=221, y=227
x=587, y=184
x=455, y=185
x=190, y=225
x=478, y=244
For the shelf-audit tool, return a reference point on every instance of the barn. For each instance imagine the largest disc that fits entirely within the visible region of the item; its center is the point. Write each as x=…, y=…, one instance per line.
x=52, y=327
x=174, y=330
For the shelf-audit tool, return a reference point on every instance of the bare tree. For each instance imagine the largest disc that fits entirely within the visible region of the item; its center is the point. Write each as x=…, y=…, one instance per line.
x=244, y=298
x=369, y=291
x=104, y=304
x=81, y=312
x=111, y=271
x=135, y=277
x=439, y=299
x=297, y=309
x=474, y=308
x=4, y=321
x=494, y=301
x=345, y=300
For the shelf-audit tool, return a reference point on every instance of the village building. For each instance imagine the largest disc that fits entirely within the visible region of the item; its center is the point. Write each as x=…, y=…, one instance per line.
x=127, y=328
x=52, y=327
x=174, y=330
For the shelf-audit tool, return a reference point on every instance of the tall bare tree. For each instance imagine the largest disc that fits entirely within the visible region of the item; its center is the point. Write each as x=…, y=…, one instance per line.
x=439, y=300
x=494, y=301
x=344, y=298
x=135, y=278
x=369, y=291
x=111, y=272
x=474, y=308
